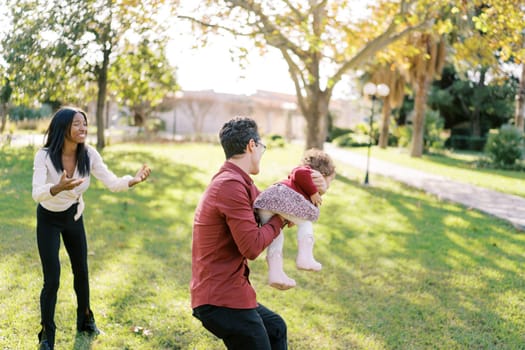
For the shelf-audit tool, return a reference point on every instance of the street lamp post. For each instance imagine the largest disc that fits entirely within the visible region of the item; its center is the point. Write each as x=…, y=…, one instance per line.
x=373, y=90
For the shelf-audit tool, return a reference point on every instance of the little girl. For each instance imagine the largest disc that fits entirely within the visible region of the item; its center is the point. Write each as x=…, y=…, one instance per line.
x=296, y=199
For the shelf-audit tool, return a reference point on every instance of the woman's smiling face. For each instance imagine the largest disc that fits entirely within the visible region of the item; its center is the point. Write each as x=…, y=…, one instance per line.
x=78, y=130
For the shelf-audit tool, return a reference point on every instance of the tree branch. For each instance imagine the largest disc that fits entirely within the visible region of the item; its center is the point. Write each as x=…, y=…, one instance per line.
x=376, y=45
x=295, y=72
x=272, y=34
x=294, y=10
x=215, y=26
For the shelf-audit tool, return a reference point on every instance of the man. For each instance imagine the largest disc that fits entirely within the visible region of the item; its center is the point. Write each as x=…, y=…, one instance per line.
x=225, y=235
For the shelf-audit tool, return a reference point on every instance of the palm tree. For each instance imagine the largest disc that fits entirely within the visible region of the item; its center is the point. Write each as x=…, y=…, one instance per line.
x=425, y=66
x=389, y=74
x=520, y=101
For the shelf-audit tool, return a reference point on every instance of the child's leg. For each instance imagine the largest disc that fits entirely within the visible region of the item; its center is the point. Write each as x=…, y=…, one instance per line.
x=274, y=257
x=277, y=278
x=305, y=245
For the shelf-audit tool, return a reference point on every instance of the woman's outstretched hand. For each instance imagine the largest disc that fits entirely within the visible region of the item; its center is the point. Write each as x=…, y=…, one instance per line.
x=141, y=175
x=65, y=184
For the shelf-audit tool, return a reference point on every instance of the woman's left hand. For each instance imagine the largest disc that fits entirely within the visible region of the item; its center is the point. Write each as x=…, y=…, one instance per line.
x=141, y=175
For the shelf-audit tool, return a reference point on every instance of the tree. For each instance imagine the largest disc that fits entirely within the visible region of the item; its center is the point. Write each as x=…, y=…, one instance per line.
x=390, y=74
x=31, y=63
x=520, y=102
x=76, y=41
x=490, y=33
x=320, y=40
x=141, y=77
x=425, y=65
x=462, y=101
x=199, y=109
x=5, y=95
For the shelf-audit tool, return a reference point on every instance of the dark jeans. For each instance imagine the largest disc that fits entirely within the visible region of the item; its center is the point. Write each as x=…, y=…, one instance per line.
x=48, y=229
x=254, y=329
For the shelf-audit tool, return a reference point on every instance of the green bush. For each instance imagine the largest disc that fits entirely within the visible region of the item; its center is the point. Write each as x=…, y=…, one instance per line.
x=433, y=129
x=335, y=132
x=352, y=140
x=404, y=135
x=505, y=148
x=155, y=125
x=275, y=141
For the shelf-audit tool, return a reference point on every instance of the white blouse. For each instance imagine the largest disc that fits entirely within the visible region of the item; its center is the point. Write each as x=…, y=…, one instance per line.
x=46, y=176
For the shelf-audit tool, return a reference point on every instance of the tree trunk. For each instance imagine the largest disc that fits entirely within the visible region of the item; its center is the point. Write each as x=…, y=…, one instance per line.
x=418, y=124
x=102, y=82
x=520, y=102
x=138, y=117
x=4, y=118
x=385, y=124
x=317, y=121
x=475, y=122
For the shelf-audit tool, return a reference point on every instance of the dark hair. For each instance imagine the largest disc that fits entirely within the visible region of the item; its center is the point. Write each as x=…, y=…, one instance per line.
x=59, y=128
x=235, y=135
x=318, y=160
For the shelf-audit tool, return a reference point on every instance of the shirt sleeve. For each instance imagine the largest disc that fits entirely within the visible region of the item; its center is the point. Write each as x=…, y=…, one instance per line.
x=302, y=177
x=41, y=190
x=234, y=203
x=100, y=170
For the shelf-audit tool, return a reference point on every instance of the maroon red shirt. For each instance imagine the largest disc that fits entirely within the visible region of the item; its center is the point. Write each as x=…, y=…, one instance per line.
x=300, y=180
x=225, y=235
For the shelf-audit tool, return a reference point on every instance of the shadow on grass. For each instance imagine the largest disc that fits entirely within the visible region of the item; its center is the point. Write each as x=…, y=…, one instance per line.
x=17, y=208
x=149, y=243
x=428, y=279
x=401, y=269
x=83, y=342
x=472, y=165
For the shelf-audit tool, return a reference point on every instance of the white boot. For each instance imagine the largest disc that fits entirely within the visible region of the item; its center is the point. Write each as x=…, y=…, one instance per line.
x=305, y=247
x=274, y=257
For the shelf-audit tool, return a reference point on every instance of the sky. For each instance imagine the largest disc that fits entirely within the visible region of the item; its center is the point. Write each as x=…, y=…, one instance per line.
x=211, y=67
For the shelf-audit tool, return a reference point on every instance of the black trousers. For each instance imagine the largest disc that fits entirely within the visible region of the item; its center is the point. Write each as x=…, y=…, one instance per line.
x=50, y=225
x=241, y=329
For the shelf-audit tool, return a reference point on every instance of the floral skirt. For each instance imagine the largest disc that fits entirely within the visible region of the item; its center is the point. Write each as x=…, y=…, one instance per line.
x=280, y=198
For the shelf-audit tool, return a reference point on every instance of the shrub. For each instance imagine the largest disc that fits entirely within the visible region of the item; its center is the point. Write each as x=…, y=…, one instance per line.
x=433, y=130
x=155, y=125
x=335, y=132
x=505, y=147
x=275, y=141
x=404, y=135
x=352, y=140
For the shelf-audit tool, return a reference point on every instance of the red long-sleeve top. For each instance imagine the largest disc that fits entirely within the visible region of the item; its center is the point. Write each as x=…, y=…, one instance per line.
x=225, y=235
x=300, y=180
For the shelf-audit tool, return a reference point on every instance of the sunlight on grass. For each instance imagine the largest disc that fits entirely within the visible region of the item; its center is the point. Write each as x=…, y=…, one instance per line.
x=457, y=166
x=401, y=269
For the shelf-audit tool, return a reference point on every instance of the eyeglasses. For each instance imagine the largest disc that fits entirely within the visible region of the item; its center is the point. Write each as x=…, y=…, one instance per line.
x=262, y=144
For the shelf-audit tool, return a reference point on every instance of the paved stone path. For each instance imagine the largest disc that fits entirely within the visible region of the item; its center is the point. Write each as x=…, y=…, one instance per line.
x=504, y=206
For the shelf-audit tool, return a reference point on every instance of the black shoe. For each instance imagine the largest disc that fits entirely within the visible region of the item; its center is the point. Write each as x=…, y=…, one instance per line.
x=89, y=327
x=44, y=345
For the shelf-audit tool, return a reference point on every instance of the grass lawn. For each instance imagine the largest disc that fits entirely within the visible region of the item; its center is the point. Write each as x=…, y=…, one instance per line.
x=454, y=165
x=401, y=270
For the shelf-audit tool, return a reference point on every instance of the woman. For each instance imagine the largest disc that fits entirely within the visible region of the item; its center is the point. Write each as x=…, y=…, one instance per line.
x=61, y=173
